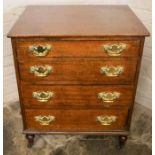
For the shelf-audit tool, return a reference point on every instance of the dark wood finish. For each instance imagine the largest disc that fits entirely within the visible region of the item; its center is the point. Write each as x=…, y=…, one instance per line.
x=75, y=48
x=69, y=71
x=76, y=59
x=122, y=140
x=76, y=96
x=107, y=133
x=95, y=20
x=136, y=81
x=14, y=47
x=76, y=120
x=30, y=139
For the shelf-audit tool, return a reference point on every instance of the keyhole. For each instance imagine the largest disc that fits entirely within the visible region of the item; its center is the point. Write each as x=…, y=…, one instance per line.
x=40, y=49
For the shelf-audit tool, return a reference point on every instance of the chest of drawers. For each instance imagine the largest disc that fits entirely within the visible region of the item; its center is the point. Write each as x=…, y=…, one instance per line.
x=77, y=69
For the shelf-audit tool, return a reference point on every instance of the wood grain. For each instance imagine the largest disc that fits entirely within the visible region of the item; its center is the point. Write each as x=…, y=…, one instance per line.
x=76, y=120
x=95, y=20
x=76, y=96
x=76, y=63
x=85, y=48
x=80, y=71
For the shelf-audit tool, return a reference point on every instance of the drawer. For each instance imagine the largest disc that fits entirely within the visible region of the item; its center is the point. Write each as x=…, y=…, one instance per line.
x=48, y=48
x=42, y=96
x=76, y=120
x=79, y=71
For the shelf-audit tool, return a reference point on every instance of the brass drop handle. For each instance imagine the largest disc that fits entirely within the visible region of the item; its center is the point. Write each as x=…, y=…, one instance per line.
x=112, y=71
x=40, y=50
x=106, y=120
x=43, y=96
x=114, y=49
x=109, y=96
x=40, y=70
x=44, y=120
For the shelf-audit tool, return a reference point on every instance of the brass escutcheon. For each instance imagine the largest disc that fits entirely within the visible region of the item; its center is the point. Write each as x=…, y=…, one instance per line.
x=39, y=50
x=40, y=70
x=43, y=96
x=112, y=71
x=114, y=49
x=109, y=96
x=44, y=120
x=106, y=120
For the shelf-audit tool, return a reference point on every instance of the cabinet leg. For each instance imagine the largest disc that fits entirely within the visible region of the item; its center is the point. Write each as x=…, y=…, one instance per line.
x=30, y=139
x=122, y=140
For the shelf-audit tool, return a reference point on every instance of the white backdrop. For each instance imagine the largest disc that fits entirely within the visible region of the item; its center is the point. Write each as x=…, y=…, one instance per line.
x=9, y=4
x=12, y=10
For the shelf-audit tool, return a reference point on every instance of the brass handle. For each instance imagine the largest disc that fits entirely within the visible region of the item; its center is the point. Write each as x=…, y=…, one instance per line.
x=40, y=70
x=40, y=50
x=115, y=49
x=106, y=120
x=44, y=120
x=109, y=96
x=42, y=96
x=112, y=71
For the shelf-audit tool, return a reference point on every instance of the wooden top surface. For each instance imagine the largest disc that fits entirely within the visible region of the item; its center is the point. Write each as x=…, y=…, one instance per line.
x=78, y=20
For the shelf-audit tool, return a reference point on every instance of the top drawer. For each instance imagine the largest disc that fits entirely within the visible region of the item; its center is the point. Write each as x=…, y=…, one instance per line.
x=93, y=48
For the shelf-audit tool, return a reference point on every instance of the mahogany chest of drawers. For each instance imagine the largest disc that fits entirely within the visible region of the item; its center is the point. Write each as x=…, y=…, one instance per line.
x=77, y=69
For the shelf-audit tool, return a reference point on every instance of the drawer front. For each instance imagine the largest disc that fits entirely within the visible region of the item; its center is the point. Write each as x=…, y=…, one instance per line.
x=42, y=96
x=79, y=71
x=47, y=49
x=76, y=120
